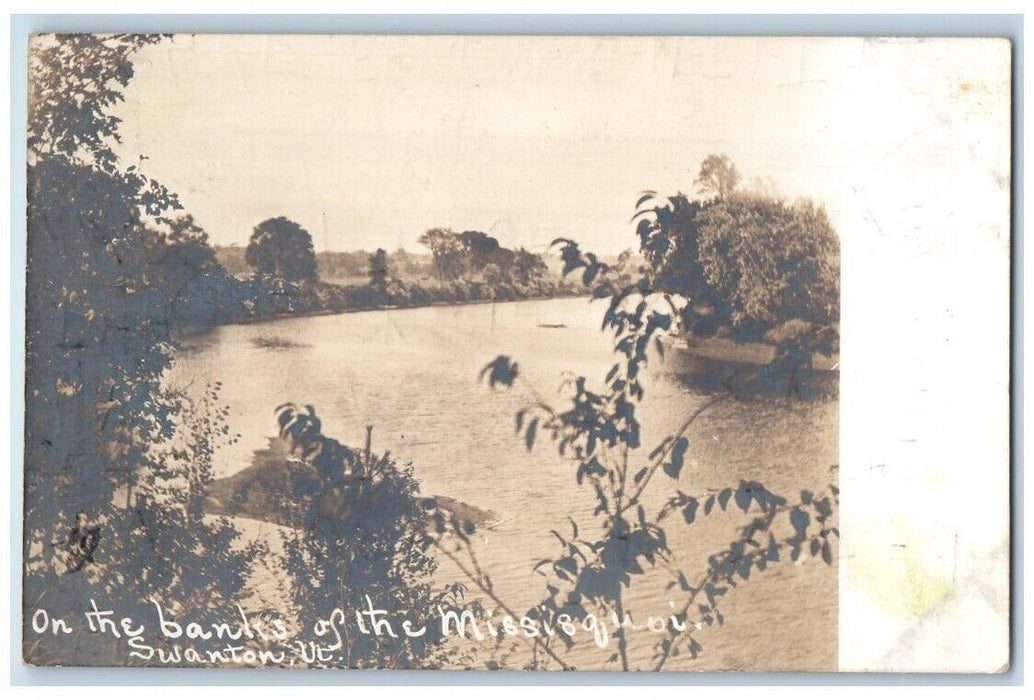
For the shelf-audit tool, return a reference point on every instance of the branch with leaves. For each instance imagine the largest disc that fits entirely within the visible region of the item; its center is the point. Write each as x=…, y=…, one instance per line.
x=599, y=432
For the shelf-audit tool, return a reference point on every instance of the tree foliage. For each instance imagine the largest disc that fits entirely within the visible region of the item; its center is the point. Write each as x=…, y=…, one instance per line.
x=770, y=261
x=528, y=267
x=448, y=252
x=358, y=529
x=746, y=260
x=379, y=270
x=281, y=248
x=718, y=176
x=108, y=451
x=475, y=253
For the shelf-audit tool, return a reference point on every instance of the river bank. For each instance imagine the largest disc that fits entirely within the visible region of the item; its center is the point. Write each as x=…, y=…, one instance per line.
x=188, y=330
x=219, y=299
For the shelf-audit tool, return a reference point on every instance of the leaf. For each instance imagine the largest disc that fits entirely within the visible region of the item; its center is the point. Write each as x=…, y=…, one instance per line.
x=639, y=475
x=743, y=497
x=799, y=519
x=645, y=197
x=723, y=497
x=678, y=454
x=708, y=505
x=567, y=564
x=529, y=437
x=689, y=513
x=827, y=552
x=678, y=451
x=501, y=370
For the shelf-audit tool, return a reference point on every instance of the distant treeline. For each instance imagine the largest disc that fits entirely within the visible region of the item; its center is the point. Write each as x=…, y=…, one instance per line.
x=339, y=267
x=278, y=273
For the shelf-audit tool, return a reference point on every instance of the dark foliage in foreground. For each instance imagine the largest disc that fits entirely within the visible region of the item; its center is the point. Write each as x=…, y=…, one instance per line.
x=357, y=528
x=115, y=465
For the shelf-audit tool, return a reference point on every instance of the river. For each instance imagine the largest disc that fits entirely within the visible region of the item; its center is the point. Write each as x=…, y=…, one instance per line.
x=412, y=374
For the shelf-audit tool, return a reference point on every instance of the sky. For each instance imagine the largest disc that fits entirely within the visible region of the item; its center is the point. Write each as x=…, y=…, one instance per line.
x=369, y=141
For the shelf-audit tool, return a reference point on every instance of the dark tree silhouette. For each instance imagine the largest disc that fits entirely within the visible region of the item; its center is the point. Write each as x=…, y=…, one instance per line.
x=108, y=451
x=481, y=248
x=379, y=270
x=359, y=528
x=281, y=248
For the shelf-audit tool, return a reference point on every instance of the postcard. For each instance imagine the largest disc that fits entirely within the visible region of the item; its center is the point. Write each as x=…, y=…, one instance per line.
x=513, y=352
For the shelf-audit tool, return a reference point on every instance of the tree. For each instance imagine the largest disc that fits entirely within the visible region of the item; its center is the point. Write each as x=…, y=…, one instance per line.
x=718, y=176
x=748, y=260
x=359, y=516
x=281, y=248
x=180, y=254
x=528, y=267
x=448, y=253
x=109, y=451
x=771, y=261
x=179, y=257
x=481, y=248
x=379, y=270
x=492, y=275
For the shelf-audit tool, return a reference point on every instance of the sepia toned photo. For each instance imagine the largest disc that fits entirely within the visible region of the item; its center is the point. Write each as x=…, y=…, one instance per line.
x=483, y=352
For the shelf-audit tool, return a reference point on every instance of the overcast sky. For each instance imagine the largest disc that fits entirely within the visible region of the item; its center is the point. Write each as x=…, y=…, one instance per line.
x=369, y=141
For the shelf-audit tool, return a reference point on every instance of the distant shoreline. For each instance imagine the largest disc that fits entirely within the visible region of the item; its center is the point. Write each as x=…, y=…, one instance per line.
x=249, y=321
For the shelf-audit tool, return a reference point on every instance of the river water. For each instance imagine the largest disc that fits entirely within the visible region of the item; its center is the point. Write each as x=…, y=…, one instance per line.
x=412, y=374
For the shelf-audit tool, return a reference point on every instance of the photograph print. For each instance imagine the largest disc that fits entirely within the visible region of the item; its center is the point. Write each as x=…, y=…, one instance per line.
x=454, y=352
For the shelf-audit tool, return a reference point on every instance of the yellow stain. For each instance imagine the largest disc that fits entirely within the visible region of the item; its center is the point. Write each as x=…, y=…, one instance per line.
x=899, y=581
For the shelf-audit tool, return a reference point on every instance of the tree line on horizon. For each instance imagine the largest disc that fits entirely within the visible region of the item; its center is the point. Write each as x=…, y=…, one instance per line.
x=449, y=256
x=278, y=272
